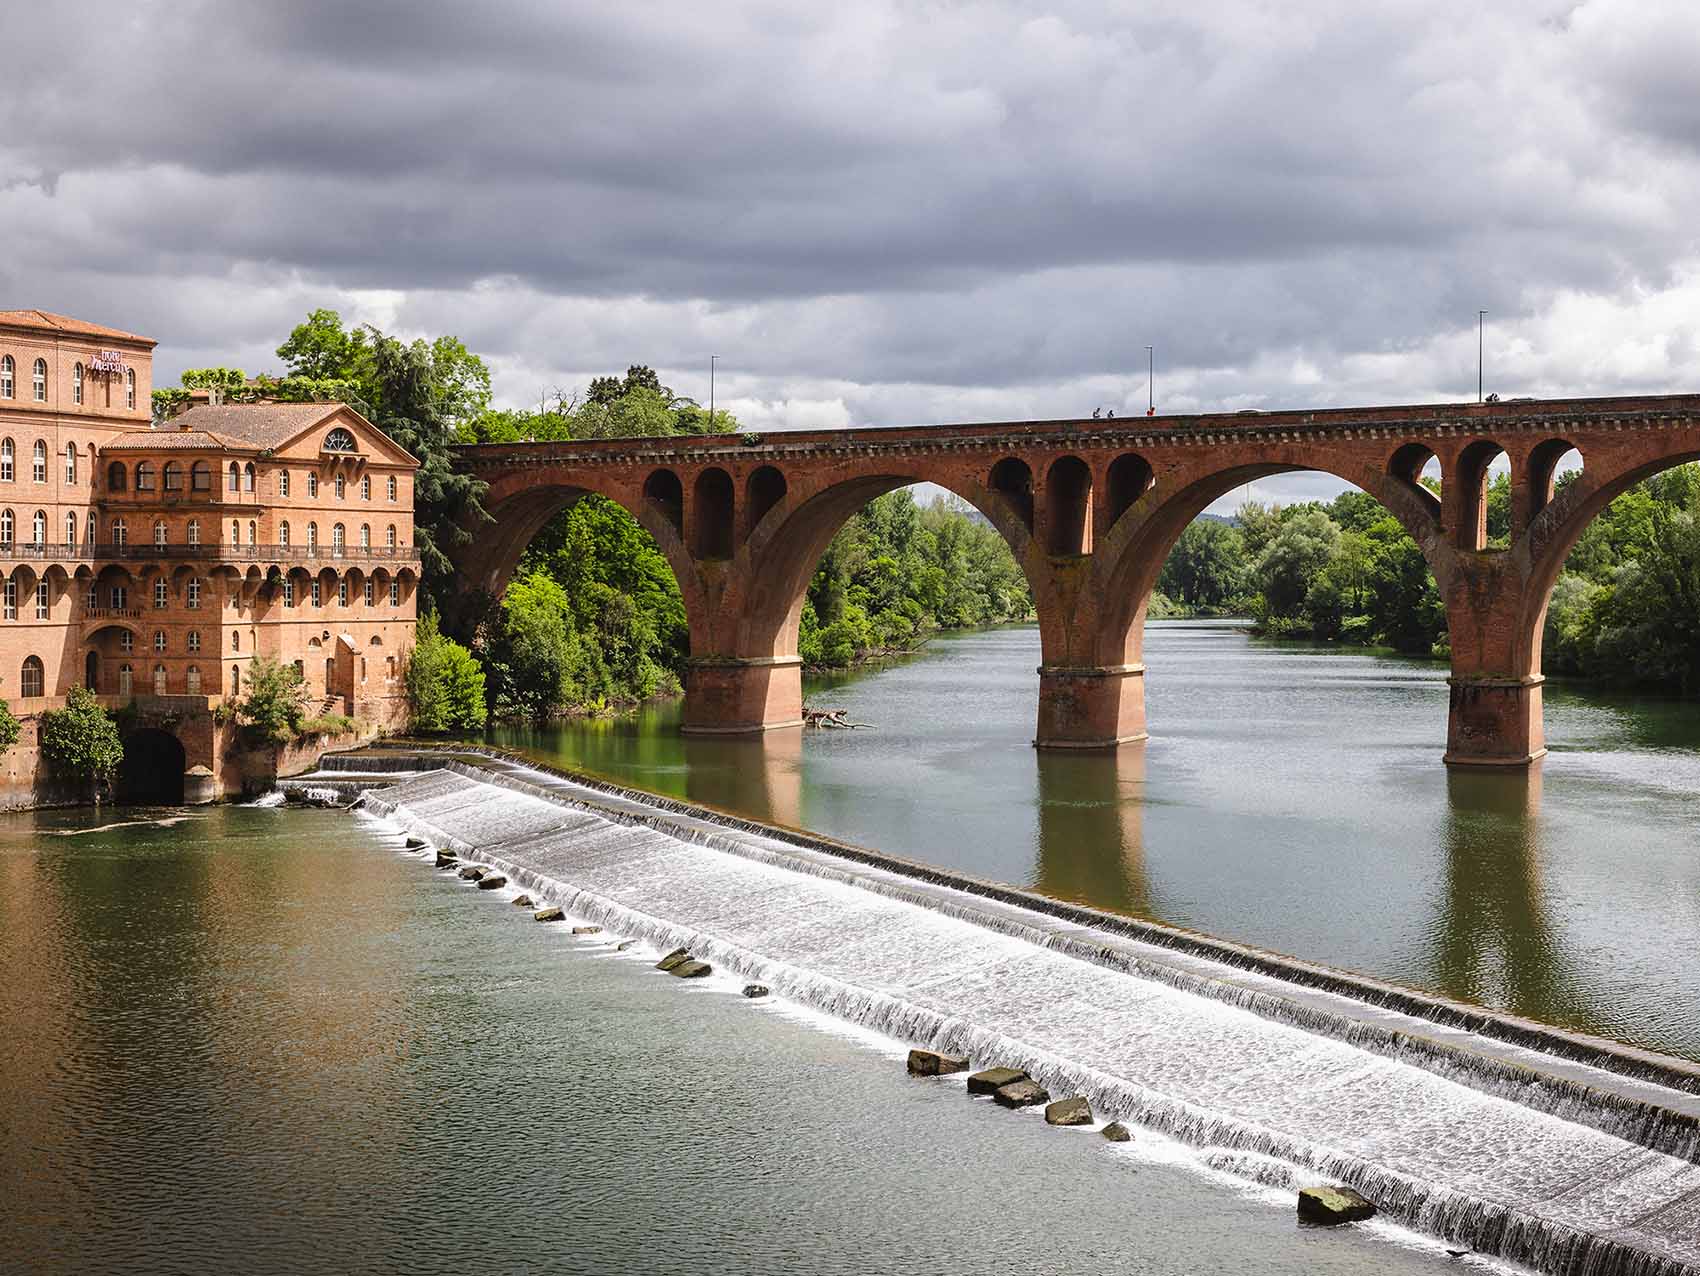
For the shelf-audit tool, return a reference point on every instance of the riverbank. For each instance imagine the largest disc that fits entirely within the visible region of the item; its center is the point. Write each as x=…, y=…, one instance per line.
x=679, y=878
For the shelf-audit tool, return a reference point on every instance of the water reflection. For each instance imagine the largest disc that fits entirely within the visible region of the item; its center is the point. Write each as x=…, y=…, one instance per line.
x=754, y=776
x=1091, y=828
x=1494, y=944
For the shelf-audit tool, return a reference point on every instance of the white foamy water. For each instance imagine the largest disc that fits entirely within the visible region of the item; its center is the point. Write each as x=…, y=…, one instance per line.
x=1451, y=1159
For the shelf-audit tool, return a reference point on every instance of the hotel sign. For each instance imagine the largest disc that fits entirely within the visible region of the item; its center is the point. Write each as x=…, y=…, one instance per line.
x=106, y=362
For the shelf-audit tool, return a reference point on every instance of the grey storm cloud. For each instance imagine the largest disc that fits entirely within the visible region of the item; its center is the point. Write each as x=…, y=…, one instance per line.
x=882, y=211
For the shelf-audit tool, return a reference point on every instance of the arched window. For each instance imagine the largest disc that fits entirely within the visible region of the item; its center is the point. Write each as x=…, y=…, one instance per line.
x=365, y=487
x=200, y=477
x=126, y=676
x=365, y=536
x=126, y=639
x=38, y=380
x=391, y=485
x=8, y=459
x=235, y=532
x=389, y=536
x=192, y=680
x=339, y=440
x=77, y=384
x=38, y=528
x=144, y=476
x=8, y=377
x=248, y=477
x=235, y=640
x=283, y=482
x=94, y=529
x=70, y=462
x=194, y=640
x=160, y=536
x=312, y=537
x=339, y=537
x=235, y=679
x=235, y=477
x=159, y=683
x=38, y=461
x=253, y=531
x=71, y=529
x=130, y=388
x=341, y=487
x=194, y=531
x=8, y=526
x=171, y=477
x=32, y=683
x=312, y=485
x=283, y=533
x=120, y=534
x=159, y=641
x=115, y=476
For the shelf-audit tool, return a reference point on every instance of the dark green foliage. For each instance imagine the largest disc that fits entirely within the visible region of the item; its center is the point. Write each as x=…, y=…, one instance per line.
x=80, y=742
x=276, y=703
x=445, y=685
x=10, y=728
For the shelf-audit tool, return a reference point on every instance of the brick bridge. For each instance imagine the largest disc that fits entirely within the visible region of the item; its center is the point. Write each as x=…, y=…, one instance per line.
x=1091, y=509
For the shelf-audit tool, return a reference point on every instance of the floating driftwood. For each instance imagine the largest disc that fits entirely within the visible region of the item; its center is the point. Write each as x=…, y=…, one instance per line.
x=830, y=718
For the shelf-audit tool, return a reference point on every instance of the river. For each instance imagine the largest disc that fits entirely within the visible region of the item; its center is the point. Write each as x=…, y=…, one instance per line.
x=1290, y=797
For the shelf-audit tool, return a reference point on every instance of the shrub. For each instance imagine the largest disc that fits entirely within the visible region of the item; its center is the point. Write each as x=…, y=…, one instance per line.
x=276, y=703
x=80, y=742
x=10, y=728
x=445, y=686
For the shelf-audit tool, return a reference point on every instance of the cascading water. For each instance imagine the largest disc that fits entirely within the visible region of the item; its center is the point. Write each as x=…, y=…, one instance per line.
x=1539, y=1160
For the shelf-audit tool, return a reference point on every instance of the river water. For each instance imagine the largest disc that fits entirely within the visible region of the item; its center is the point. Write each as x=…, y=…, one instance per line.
x=1290, y=797
x=266, y=1041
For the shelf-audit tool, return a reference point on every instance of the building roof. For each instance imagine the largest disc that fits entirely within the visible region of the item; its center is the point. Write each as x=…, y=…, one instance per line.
x=174, y=440
x=259, y=425
x=65, y=324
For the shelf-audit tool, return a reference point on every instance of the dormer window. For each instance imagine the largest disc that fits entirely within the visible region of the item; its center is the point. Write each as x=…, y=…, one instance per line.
x=339, y=440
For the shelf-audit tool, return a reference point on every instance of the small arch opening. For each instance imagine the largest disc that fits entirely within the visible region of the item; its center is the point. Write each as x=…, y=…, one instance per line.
x=1014, y=481
x=1130, y=478
x=713, y=500
x=765, y=489
x=152, y=770
x=1552, y=466
x=1068, y=506
x=667, y=493
x=1479, y=465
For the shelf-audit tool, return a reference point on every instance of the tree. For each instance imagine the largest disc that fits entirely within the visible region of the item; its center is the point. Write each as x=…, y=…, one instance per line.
x=80, y=742
x=1296, y=554
x=276, y=704
x=1206, y=566
x=10, y=728
x=445, y=686
x=535, y=660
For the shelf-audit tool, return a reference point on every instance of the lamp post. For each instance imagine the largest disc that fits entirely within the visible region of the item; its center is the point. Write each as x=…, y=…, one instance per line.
x=711, y=361
x=1150, y=382
x=1481, y=319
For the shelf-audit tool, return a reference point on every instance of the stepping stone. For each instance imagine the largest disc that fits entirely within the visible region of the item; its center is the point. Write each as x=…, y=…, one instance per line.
x=1116, y=1132
x=994, y=1079
x=1075, y=1111
x=415, y=843
x=549, y=915
x=930, y=1063
x=472, y=872
x=753, y=991
x=1329, y=1206
x=673, y=959
x=690, y=969
x=1020, y=1094
x=492, y=882
x=524, y=901
x=587, y=930
x=623, y=945
x=447, y=859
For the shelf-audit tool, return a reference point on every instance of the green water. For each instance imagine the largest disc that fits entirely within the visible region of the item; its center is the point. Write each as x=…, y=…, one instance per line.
x=1290, y=797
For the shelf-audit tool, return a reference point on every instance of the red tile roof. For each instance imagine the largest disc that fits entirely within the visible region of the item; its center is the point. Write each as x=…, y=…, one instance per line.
x=169, y=440
x=65, y=324
x=258, y=425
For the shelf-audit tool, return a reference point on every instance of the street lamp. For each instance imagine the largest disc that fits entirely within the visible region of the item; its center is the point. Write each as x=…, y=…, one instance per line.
x=1150, y=382
x=1481, y=319
x=711, y=361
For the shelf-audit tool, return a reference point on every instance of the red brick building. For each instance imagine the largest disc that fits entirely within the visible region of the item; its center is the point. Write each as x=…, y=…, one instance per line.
x=153, y=565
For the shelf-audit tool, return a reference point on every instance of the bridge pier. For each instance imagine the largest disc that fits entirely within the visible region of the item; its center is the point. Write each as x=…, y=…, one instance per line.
x=1495, y=722
x=731, y=696
x=1090, y=708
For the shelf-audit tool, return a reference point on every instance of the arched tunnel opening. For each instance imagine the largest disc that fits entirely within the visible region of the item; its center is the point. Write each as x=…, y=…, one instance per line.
x=151, y=773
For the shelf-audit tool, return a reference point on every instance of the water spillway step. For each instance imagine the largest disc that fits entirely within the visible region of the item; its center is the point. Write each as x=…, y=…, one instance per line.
x=1175, y=1052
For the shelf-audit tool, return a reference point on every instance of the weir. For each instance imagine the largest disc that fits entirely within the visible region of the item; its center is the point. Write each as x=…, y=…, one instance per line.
x=1548, y=1149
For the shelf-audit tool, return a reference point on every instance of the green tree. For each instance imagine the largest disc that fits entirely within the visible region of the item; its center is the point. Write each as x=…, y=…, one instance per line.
x=10, y=728
x=445, y=685
x=276, y=704
x=80, y=742
x=1207, y=565
x=1297, y=553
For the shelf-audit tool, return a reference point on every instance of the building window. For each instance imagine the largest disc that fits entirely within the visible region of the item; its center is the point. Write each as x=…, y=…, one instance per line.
x=312, y=537
x=342, y=592
x=11, y=604
x=248, y=477
x=159, y=683
x=159, y=641
x=38, y=461
x=283, y=482
x=33, y=682
x=114, y=475
x=192, y=680
x=339, y=440
x=125, y=675
x=126, y=641
x=235, y=679
x=235, y=640
x=38, y=528
x=70, y=462
x=193, y=600
x=91, y=600
x=42, y=602
x=389, y=668
x=94, y=529
x=253, y=533
x=160, y=536
x=130, y=389
x=234, y=477
x=8, y=373
x=365, y=487
x=77, y=384
x=339, y=538
x=362, y=668
x=120, y=533
x=365, y=536
x=8, y=525
x=312, y=485
x=318, y=597
x=194, y=640
x=288, y=593
x=71, y=530
x=144, y=476
x=121, y=598
x=395, y=593
x=390, y=482
x=200, y=477
x=235, y=532
x=161, y=593
x=366, y=591
x=283, y=533
x=38, y=380
x=389, y=536
x=7, y=459
x=172, y=477
x=194, y=531
x=341, y=487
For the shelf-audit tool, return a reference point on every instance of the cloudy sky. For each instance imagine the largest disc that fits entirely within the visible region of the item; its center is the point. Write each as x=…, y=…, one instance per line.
x=881, y=213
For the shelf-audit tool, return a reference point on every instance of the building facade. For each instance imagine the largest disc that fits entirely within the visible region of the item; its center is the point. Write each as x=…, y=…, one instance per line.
x=154, y=564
